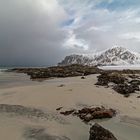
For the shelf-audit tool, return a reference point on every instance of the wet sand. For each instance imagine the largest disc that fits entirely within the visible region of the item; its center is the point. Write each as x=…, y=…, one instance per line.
x=73, y=93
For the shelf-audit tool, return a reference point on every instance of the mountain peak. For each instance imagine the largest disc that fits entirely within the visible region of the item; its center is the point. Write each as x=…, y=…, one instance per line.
x=114, y=56
x=118, y=47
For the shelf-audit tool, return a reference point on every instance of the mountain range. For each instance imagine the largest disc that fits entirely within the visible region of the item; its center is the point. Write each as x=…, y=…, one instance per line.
x=113, y=56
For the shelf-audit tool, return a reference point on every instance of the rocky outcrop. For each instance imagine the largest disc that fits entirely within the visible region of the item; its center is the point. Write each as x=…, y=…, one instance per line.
x=97, y=132
x=125, y=89
x=89, y=114
x=58, y=71
x=122, y=82
x=106, y=77
x=135, y=83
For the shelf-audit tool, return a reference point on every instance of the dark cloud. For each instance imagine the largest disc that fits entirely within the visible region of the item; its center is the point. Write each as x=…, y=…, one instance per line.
x=29, y=35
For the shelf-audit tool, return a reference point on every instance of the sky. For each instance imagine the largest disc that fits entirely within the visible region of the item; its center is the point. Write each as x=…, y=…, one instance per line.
x=43, y=32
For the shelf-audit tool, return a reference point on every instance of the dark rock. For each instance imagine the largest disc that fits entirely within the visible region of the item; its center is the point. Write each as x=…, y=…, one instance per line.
x=89, y=114
x=135, y=84
x=58, y=71
x=105, y=78
x=119, y=82
x=132, y=72
x=97, y=114
x=86, y=118
x=124, y=89
x=62, y=85
x=103, y=114
x=85, y=110
x=67, y=112
x=97, y=132
x=83, y=77
x=102, y=80
x=59, y=108
x=138, y=96
x=133, y=76
x=135, y=87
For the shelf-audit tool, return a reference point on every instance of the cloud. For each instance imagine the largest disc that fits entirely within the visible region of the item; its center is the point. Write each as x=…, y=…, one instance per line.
x=74, y=43
x=131, y=36
x=30, y=33
x=101, y=26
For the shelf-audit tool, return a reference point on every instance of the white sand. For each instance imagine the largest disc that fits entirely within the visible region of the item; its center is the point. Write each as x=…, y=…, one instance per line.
x=76, y=93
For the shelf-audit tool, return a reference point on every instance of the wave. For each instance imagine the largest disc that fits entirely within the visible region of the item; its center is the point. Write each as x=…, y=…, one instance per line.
x=2, y=70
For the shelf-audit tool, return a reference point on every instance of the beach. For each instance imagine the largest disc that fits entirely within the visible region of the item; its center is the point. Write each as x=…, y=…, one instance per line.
x=69, y=93
x=69, y=69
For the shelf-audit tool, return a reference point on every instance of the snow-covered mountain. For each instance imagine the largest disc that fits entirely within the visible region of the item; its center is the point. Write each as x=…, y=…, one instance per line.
x=113, y=56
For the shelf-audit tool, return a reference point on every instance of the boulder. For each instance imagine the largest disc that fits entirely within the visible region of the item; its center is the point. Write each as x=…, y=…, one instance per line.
x=103, y=114
x=97, y=132
x=105, y=78
x=124, y=89
x=83, y=77
x=135, y=84
x=119, y=82
x=89, y=114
